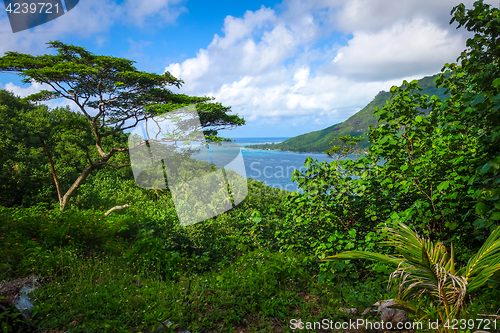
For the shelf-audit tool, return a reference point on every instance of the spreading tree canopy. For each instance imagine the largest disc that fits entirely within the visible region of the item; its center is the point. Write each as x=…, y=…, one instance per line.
x=112, y=96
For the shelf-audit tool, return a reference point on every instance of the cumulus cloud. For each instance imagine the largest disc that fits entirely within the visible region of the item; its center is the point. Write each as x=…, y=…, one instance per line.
x=300, y=63
x=287, y=62
x=415, y=48
x=378, y=15
x=27, y=90
x=33, y=88
x=251, y=45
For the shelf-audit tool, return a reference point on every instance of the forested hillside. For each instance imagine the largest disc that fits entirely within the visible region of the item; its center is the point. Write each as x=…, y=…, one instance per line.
x=356, y=126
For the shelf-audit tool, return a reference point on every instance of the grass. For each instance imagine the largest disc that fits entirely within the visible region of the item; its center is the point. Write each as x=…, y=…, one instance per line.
x=107, y=293
x=136, y=268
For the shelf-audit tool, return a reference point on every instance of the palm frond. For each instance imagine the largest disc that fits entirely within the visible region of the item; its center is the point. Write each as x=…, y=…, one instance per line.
x=391, y=260
x=427, y=268
x=405, y=240
x=485, y=262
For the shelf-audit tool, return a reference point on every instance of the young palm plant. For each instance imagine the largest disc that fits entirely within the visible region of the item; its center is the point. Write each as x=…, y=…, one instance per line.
x=425, y=268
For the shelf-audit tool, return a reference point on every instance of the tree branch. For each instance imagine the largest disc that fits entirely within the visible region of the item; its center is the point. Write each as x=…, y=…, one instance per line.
x=120, y=128
x=115, y=208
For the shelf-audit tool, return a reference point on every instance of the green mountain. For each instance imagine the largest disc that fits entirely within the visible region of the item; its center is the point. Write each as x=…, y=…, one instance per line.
x=357, y=125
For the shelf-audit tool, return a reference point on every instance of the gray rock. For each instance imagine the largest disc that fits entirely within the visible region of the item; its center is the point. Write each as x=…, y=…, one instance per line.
x=164, y=325
x=394, y=316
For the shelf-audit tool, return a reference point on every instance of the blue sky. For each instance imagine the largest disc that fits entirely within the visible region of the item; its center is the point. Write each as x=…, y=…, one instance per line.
x=288, y=67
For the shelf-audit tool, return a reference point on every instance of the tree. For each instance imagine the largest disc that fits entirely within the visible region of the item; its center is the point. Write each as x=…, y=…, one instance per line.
x=21, y=173
x=29, y=135
x=112, y=96
x=441, y=171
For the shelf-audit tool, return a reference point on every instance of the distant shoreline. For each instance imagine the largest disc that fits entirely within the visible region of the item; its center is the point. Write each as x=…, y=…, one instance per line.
x=299, y=152
x=290, y=151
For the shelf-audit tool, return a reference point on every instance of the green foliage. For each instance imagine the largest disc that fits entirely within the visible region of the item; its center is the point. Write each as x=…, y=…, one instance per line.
x=10, y=320
x=425, y=169
x=427, y=268
x=111, y=293
x=439, y=174
x=433, y=165
x=32, y=238
x=474, y=100
x=25, y=173
x=31, y=135
x=445, y=165
x=108, y=188
x=329, y=214
x=120, y=95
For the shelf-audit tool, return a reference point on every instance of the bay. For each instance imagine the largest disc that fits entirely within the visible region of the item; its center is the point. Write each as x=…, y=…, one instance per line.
x=274, y=167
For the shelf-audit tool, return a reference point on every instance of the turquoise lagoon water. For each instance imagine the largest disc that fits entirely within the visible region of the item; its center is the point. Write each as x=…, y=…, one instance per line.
x=274, y=167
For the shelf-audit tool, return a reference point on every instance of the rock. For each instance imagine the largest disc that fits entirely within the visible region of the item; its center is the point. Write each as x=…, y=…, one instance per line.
x=352, y=311
x=15, y=293
x=23, y=302
x=167, y=323
x=387, y=314
x=394, y=316
x=4, y=303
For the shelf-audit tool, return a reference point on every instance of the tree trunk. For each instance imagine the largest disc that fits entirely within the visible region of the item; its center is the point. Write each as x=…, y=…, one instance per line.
x=52, y=169
x=69, y=193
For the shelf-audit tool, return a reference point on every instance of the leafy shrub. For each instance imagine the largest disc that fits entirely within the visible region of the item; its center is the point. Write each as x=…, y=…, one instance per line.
x=32, y=237
x=426, y=268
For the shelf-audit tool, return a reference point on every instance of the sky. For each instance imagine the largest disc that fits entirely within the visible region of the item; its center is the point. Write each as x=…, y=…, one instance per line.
x=287, y=67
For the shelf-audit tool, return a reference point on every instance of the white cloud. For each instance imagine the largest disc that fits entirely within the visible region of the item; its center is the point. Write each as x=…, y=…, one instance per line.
x=417, y=47
x=300, y=77
x=238, y=53
x=34, y=88
x=235, y=29
x=376, y=15
x=287, y=64
x=192, y=68
x=24, y=41
x=86, y=19
x=163, y=11
x=290, y=62
x=22, y=92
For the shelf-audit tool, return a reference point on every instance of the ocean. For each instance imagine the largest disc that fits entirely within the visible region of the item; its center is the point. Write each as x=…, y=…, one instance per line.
x=274, y=167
